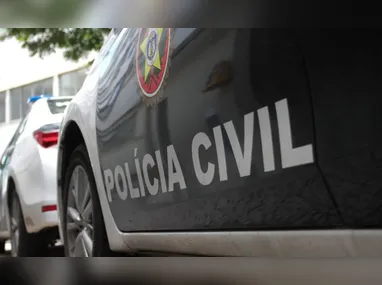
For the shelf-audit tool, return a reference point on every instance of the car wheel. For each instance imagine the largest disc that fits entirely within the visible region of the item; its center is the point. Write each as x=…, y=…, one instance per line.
x=22, y=243
x=83, y=225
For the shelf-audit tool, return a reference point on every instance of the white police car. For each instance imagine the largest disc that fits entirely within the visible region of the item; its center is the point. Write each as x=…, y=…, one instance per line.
x=28, y=201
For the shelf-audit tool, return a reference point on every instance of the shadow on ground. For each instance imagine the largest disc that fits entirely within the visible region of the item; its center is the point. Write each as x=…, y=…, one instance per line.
x=57, y=251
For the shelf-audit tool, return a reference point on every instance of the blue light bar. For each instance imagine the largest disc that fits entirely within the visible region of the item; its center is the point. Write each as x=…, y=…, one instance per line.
x=33, y=99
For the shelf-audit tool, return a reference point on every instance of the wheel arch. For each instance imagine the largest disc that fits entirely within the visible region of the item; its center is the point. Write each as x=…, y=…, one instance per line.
x=70, y=138
x=11, y=189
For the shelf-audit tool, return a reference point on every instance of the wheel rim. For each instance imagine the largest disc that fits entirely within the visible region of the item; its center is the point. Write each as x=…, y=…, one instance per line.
x=79, y=223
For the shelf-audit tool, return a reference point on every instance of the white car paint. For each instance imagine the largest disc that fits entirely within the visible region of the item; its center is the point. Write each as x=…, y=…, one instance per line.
x=33, y=170
x=81, y=110
x=7, y=131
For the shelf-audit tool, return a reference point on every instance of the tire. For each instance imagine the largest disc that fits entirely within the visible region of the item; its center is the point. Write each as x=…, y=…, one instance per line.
x=80, y=158
x=28, y=245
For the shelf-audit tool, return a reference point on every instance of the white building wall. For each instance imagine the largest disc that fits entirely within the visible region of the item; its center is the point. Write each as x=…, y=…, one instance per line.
x=56, y=85
x=72, y=78
x=7, y=106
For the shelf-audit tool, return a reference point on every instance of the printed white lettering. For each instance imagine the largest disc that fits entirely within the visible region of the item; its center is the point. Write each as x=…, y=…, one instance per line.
x=266, y=139
x=220, y=151
x=161, y=171
x=170, y=171
x=205, y=178
x=119, y=175
x=175, y=174
x=109, y=182
x=243, y=158
x=149, y=161
x=139, y=175
x=134, y=192
x=290, y=156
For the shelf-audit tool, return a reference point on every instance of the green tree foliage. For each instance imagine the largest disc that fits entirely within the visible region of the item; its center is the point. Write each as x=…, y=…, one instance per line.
x=75, y=43
x=42, y=13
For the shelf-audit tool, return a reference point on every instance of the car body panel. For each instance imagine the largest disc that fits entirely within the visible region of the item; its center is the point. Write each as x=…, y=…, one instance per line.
x=4, y=232
x=32, y=169
x=127, y=130
x=81, y=113
x=6, y=158
x=345, y=80
x=285, y=209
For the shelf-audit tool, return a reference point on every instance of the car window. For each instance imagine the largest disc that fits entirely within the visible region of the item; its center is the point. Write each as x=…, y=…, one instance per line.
x=22, y=125
x=6, y=134
x=19, y=130
x=15, y=136
x=58, y=106
x=3, y=161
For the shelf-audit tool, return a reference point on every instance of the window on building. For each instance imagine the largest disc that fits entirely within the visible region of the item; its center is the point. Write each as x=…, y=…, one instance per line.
x=2, y=107
x=27, y=91
x=16, y=106
x=81, y=76
x=70, y=83
x=42, y=87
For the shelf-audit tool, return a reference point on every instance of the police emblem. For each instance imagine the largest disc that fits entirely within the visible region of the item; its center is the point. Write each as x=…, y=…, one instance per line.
x=153, y=57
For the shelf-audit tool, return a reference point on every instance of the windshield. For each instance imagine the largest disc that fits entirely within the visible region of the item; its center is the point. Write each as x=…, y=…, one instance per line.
x=58, y=106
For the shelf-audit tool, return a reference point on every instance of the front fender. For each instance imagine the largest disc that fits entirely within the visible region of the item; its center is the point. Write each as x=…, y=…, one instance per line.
x=4, y=194
x=60, y=179
x=4, y=223
x=71, y=116
x=4, y=203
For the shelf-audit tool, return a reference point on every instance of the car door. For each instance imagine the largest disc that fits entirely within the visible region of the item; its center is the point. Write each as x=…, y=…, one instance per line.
x=345, y=75
x=17, y=149
x=5, y=161
x=3, y=164
x=209, y=129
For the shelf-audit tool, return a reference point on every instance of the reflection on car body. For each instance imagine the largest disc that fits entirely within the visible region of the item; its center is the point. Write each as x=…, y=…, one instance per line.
x=119, y=179
x=223, y=142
